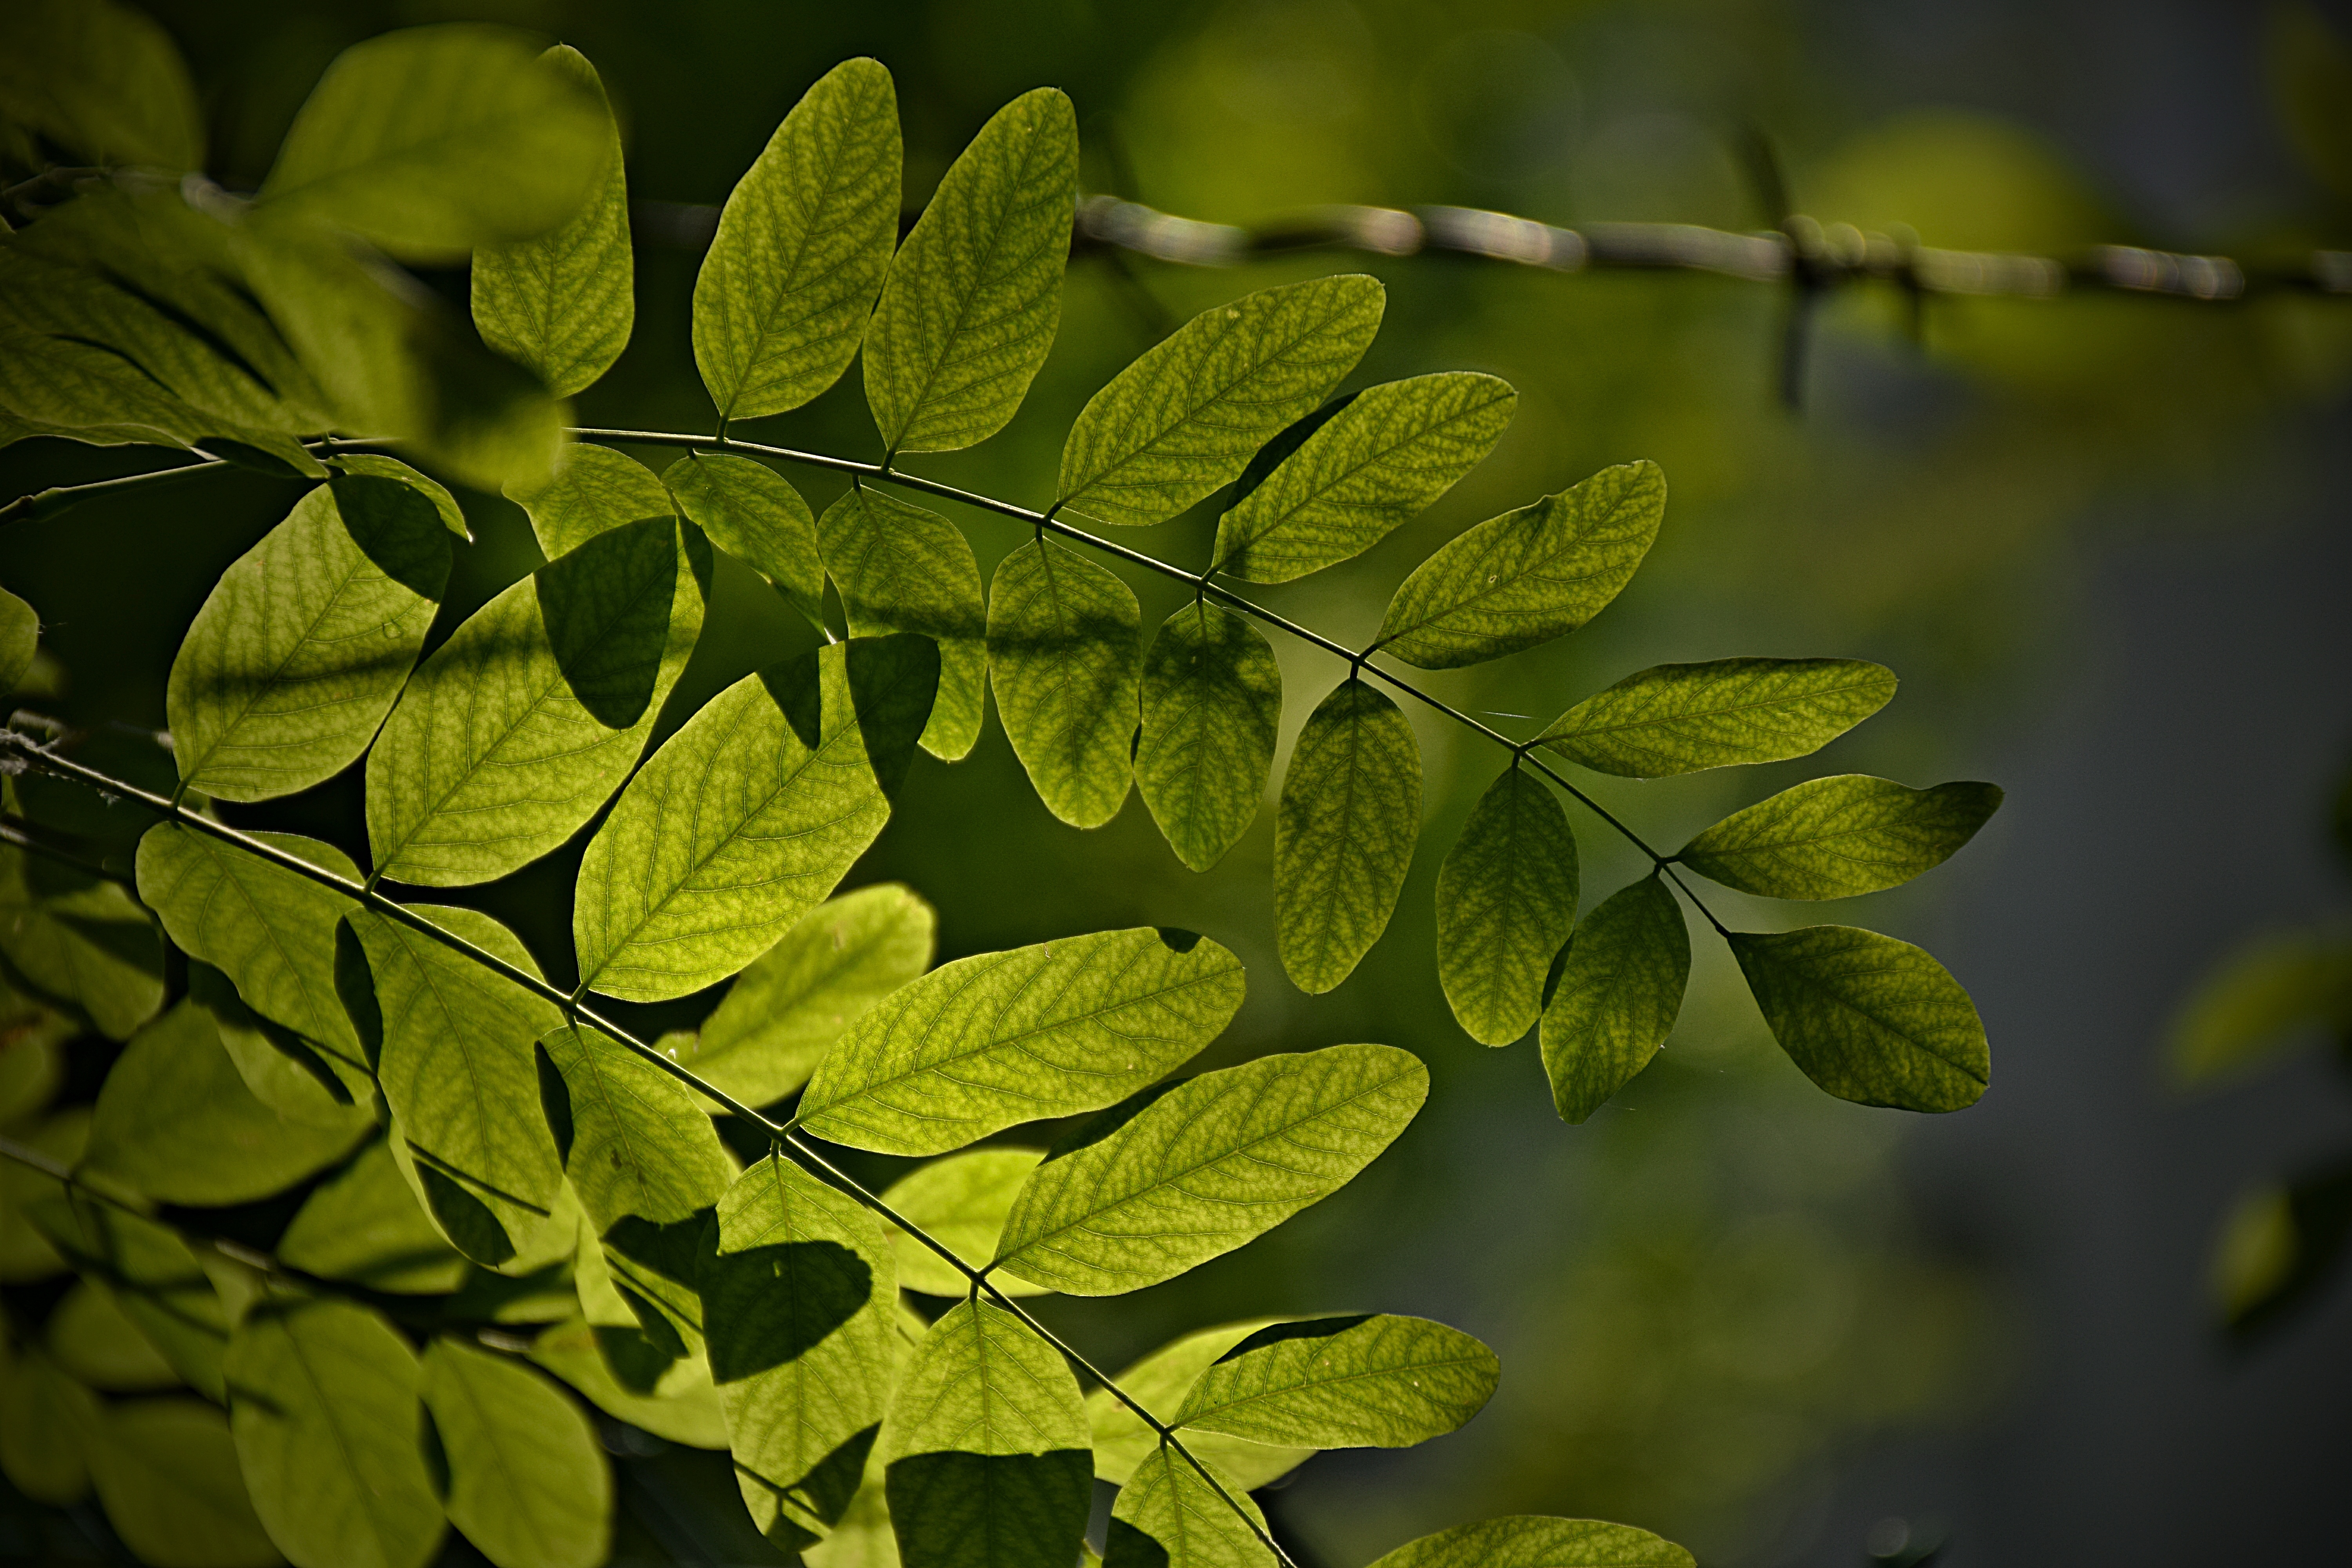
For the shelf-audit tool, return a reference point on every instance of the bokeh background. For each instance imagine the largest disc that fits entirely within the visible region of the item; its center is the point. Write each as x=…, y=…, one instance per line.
x=2103, y=540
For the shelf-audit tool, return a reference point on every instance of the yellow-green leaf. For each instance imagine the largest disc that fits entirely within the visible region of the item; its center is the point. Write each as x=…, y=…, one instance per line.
x=1838, y=837
x=754, y=514
x=1062, y=652
x=1684, y=717
x=1506, y=899
x=903, y=568
x=1868, y=1019
x=1211, y=701
x=1344, y=833
x=1621, y=986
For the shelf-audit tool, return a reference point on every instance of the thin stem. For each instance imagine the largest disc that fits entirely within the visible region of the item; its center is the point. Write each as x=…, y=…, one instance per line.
x=57, y=497
x=12, y=831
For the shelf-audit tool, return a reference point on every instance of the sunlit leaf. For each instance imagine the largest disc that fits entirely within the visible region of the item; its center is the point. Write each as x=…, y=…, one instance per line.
x=516, y=730
x=364, y=1225
x=1062, y=652
x=1620, y=988
x=100, y=79
x=1212, y=701
x=747, y=817
x=1159, y=1383
x=1380, y=1382
x=1684, y=717
x=1184, y=1172
x=692, y=1415
x=2260, y=999
x=639, y=1145
x=901, y=568
x=92, y=1340
x=1527, y=576
x=975, y=293
x=959, y=1202
x=1506, y=899
x=285, y=1072
x=591, y=490
x=754, y=514
x=1344, y=833
x=48, y=1424
x=1372, y=468
x=528, y=1483
x=1868, y=1019
x=1187, y=414
x=81, y=941
x=167, y=1473
x=986, y=1042
x=803, y=245
x=1837, y=837
x=1536, y=1541
x=1170, y=1516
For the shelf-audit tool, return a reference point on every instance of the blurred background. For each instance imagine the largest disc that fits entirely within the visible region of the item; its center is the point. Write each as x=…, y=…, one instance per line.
x=2102, y=538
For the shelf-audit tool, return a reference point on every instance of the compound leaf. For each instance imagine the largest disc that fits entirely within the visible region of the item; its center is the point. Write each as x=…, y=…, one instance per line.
x=1621, y=985
x=802, y=245
x=1537, y=1541
x=1344, y=833
x=1375, y=466
x=1159, y=1383
x=167, y=1473
x=516, y=730
x=985, y=1042
x=747, y=817
x=902, y=568
x=1377, y=1382
x=591, y=490
x=1212, y=701
x=1837, y=837
x=639, y=1144
x=1521, y=579
x=1187, y=414
x=1186, y=1172
x=528, y=1483
x=1868, y=1019
x=754, y=514
x=562, y=302
x=975, y=293
x=959, y=1202
x=1506, y=901
x=1685, y=717
x=1169, y=1516
x=363, y=1223
x=1062, y=646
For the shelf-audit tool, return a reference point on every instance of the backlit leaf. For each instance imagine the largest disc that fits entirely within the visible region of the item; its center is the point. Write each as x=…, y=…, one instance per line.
x=1684, y=717
x=1344, y=833
x=1187, y=414
x=1521, y=579
x=902, y=568
x=562, y=302
x=692, y=1417
x=1621, y=986
x=1837, y=837
x=364, y=1225
x=528, y=1483
x=81, y=941
x=1211, y=702
x=592, y=489
x=100, y=79
x=1379, y=1382
x=1506, y=899
x=754, y=514
x=1868, y=1019
x=167, y=1473
x=986, y=1042
x=975, y=293
x=516, y=730
x=803, y=245
x=1159, y=1383
x=376, y=466
x=152, y=1276
x=960, y=1202
x=1536, y=1541
x=285, y=1072
x=1374, y=467
x=1181, y=1174
x=1169, y=1516
x=747, y=817
x=639, y=1144
x=1062, y=650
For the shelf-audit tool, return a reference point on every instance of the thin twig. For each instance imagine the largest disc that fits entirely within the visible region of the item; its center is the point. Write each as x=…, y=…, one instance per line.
x=12, y=831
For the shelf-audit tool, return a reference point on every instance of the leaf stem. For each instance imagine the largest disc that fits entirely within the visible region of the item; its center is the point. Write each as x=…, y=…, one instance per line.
x=57, y=497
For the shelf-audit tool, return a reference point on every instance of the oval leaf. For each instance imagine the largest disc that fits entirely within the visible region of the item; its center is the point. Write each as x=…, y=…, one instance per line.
x=48, y=1423
x=1344, y=832
x=1868, y=1019
x=101, y=79
x=528, y=1483
x=1159, y=1383
x=1062, y=646
x=960, y=1202
x=692, y=1417
x=364, y=1225
x=1684, y=718
x=93, y=1340
x=1212, y=696
x=1621, y=985
x=1377, y=1382
x=81, y=941
x=754, y=514
x=1537, y=1540
x=1838, y=837
x=376, y=466
x=591, y=490
x=166, y=1470
x=1170, y=1516
x=152, y=1275
x=1506, y=901
x=901, y=568
x=639, y=1144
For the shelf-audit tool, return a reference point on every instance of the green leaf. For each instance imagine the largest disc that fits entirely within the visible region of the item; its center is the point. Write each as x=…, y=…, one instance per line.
x=1377, y=1382
x=364, y=1225
x=785, y=1011
x=1186, y=418
x=2259, y=999
x=284, y=1071
x=31, y=1066
x=1536, y=1541
x=1374, y=467
x=459, y=1073
x=81, y=941
x=800, y=1302
x=20, y=639
x=1868, y=1019
x=986, y=1447
x=803, y=245
x=998, y=1038
x=1062, y=649
x=516, y=730
x=1685, y=717
x=1621, y=985
x=376, y=466
x=26, y=1253
x=46, y=1423
x=639, y=1144
x=1159, y=1383
x=593, y=489
x=692, y=1415
x=177, y=1122
x=747, y=817
x=1519, y=580
x=975, y=293
x=323, y=1406
x=432, y=141
x=1185, y=1173
x=94, y=1341
x=528, y=1483
x=167, y=1473
x=1343, y=834
x=1506, y=900
x=754, y=514
x=1212, y=698
x=101, y=80
x=1837, y=837
x=960, y=1202
x=152, y=1277
x=562, y=302
x=1169, y=1516
x=901, y=568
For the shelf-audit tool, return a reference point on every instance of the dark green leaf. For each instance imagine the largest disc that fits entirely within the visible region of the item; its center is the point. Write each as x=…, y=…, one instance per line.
x=166, y=1470
x=591, y=490
x=1535, y=1540
x=1684, y=717
x=364, y=1225
x=959, y=1202
x=639, y=1145
x=101, y=80
x=1170, y=1516
x=1506, y=899
x=901, y=568
x=1344, y=832
x=26, y=1253
x=81, y=941
x=1187, y=414
x=528, y=1483
x=1521, y=579
x=754, y=514
x=1620, y=988
x=20, y=639
x=1869, y=1019
x=48, y=1422
x=1159, y=1383
x=93, y=1340
x=1377, y=1382
x=1062, y=646
x=153, y=1278
x=1211, y=702
x=285, y=1072
x=1837, y=837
